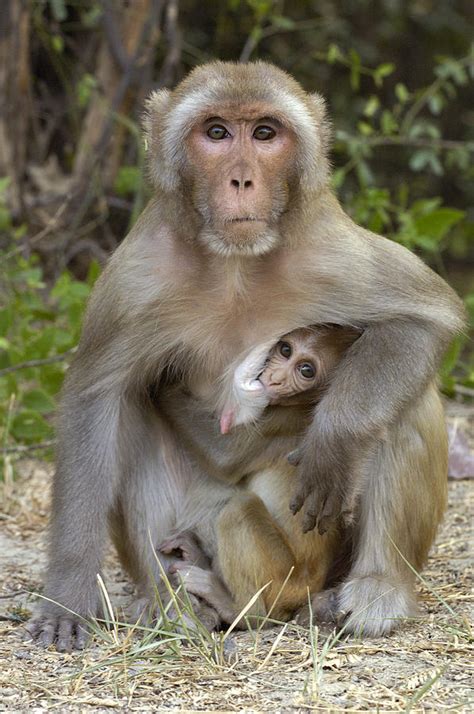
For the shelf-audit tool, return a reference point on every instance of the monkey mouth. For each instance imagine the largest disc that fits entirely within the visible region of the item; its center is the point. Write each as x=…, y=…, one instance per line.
x=245, y=219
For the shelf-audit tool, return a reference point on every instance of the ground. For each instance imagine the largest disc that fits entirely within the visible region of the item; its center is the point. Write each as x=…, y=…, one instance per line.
x=425, y=666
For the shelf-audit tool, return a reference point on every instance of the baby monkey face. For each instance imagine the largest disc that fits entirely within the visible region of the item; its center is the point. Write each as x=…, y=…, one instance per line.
x=292, y=368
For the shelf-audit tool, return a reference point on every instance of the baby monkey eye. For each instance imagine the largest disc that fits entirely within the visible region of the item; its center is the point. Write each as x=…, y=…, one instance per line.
x=217, y=132
x=306, y=370
x=285, y=350
x=264, y=133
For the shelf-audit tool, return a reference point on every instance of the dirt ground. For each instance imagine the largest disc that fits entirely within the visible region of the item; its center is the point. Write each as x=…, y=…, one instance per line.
x=426, y=666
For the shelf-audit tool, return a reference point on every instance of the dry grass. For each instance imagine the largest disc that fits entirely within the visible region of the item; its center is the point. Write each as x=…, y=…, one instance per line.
x=423, y=667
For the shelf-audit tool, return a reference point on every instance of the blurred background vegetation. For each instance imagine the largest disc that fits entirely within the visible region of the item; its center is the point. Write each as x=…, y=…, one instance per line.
x=398, y=77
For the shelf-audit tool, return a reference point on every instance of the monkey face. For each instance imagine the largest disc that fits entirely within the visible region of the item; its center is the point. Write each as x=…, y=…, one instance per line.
x=241, y=161
x=291, y=370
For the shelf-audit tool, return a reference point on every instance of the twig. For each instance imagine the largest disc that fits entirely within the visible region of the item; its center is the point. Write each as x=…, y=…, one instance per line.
x=51, y=225
x=426, y=95
x=406, y=141
x=37, y=362
x=7, y=596
x=112, y=35
x=21, y=448
x=174, y=40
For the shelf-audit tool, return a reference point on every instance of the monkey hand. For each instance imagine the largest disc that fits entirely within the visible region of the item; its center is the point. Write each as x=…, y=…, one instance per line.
x=57, y=626
x=248, y=397
x=318, y=490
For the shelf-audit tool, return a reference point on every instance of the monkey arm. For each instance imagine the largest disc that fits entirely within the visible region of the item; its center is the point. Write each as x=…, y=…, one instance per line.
x=409, y=315
x=248, y=397
x=99, y=426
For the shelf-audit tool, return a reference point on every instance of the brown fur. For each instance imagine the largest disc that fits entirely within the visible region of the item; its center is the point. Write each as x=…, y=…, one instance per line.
x=181, y=299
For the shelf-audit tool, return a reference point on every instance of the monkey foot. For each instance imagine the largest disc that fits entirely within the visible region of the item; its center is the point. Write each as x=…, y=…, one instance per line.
x=375, y=605
x=185, y=546
x=370, y=606
x=66, y=631
x=148, y=612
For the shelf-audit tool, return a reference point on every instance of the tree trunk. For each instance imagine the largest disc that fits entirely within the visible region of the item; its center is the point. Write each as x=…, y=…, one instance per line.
x=16, y=99
x=115, y=92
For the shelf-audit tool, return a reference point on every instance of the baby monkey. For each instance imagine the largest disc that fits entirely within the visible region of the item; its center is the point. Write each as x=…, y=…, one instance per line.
x=293, y=372
x=256, y=542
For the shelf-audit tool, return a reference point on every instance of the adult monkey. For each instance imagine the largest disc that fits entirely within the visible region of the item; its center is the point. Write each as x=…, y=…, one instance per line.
x=242, y=242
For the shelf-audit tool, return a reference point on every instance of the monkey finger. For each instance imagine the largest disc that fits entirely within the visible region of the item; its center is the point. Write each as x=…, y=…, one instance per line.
x=82, y=636
x=47, y=633
x=296, y=503
x=294, y=457
x=348, y=517
x=311, y=512
x=328, y=513
x=65, y=635
x=298, y=500
x=33, y=628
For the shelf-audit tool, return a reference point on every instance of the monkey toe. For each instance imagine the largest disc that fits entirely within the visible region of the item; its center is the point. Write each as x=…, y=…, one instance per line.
x=324, y=609
x=326, y=606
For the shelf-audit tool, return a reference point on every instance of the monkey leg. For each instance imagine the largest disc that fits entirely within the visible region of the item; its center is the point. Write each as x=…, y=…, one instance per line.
x=146, y=514
x=85, y=486
x=401, y=505
x=254, y=553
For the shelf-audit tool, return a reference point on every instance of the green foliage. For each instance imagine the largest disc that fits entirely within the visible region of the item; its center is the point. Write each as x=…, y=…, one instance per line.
x=128, y=181
x=37, y=324
x=84, y=88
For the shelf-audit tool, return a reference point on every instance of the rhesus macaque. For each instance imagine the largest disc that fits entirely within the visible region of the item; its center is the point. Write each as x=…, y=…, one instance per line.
x=256, y=542
x=244, y=241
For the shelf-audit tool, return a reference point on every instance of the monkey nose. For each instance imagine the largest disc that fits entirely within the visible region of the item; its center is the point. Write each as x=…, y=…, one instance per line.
x=275, y=379
x=241, y=184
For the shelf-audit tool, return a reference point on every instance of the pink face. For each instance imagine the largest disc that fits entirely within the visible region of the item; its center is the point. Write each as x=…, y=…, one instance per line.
x=241, y=163
x=293, y=368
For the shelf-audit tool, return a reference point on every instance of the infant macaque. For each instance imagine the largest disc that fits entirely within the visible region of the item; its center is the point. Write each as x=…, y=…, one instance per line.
x=294, y=371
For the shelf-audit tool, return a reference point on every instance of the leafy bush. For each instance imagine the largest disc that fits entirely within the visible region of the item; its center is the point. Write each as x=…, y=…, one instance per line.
x=39, y=329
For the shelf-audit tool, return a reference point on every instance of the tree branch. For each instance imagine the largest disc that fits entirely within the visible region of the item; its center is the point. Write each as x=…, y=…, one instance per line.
x=37, y=362
x=21, y=448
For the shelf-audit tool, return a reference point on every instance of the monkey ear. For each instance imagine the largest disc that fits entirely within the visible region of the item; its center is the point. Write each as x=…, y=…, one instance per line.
x=320, y=111
x=315, y=162
x=157, y=107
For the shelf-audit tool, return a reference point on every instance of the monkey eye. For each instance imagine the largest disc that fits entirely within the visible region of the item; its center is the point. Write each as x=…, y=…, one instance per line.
x=285, y=350
x=217, y=131
x=264, y=133
x=306, y=370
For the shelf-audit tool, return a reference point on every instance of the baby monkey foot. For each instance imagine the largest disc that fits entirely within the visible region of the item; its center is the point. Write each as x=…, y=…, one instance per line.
x=185, y=547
